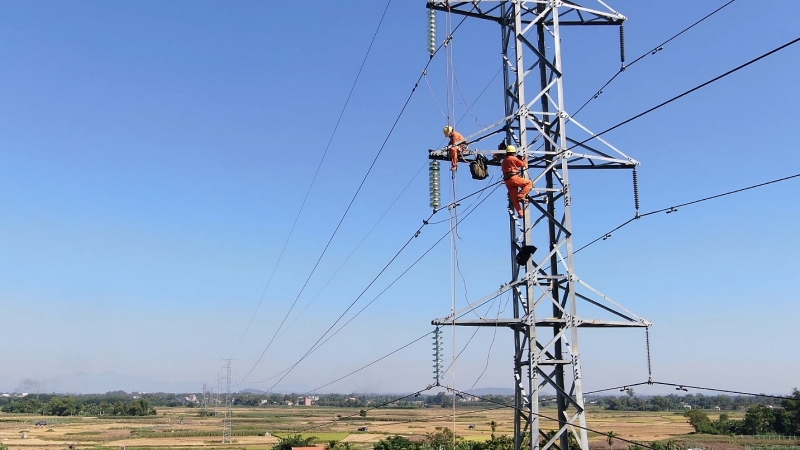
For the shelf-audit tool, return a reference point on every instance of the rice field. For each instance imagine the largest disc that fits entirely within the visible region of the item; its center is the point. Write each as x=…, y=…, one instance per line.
x=255, y=428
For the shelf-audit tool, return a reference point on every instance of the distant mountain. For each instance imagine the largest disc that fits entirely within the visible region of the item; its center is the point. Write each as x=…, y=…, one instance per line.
x=492, y=391
x=291, y=388
x=84, y=383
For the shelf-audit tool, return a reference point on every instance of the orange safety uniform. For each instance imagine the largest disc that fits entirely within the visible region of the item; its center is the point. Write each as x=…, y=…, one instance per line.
x=518, y=187
x=457, y=145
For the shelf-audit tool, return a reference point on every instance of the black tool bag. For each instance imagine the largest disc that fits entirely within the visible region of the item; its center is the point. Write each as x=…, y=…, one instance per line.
x=478, y=168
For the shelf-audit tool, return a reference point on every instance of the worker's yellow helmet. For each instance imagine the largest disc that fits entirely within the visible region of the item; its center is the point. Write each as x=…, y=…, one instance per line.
x=448, y=130
x=511, y=149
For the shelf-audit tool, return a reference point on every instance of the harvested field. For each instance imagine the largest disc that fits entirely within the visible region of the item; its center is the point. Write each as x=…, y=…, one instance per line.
x=256, y=428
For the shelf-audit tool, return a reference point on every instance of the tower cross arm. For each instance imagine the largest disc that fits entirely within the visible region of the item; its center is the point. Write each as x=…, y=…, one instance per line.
x=478, y=303
x=571, y=13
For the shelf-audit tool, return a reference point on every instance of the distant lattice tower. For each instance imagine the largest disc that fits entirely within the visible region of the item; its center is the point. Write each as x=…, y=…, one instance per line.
x=545, y=287
x=226, y=427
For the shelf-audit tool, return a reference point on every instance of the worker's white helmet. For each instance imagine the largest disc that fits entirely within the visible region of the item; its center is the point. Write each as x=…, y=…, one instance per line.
x=448, y=130
x=511, y=149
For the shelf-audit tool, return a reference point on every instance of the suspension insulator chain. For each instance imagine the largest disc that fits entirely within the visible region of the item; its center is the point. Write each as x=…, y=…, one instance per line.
x=434, y=185
x=431, y=32
x=636, y=191
x=437, y=355
x=622, y=46
x=649, y=363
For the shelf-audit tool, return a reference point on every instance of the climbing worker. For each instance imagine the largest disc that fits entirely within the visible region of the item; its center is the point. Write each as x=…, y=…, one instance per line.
x=518, y=186
x=456, y=146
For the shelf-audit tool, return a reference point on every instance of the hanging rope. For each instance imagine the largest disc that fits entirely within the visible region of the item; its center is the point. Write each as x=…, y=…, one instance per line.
x=434, y=98
x=453, y=272
x=449, y=76
x=466, y=103
x=451, y=107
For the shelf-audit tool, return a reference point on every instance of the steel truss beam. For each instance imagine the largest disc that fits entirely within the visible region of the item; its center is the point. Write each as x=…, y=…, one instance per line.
x=546, y=289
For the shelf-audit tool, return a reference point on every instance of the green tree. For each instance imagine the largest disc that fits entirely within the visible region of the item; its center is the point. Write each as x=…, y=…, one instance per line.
x=493, y=426
x=792, y=411
x=572, y=442
x=699, y=421
x=62, y=406
x=669, y=444
x=502, y=442
x=363, y=413
x=441, y=439
x=396, y=443
x=610, y=438
x=141, y=407
x=759, y=419
x=295, y=440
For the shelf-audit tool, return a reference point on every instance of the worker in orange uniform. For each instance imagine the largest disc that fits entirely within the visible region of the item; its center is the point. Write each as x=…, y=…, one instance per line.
x=456, y=146
x=518, y=187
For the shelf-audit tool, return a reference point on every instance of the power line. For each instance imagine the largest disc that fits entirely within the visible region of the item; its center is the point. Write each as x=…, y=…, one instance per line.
x=385, y=267
x=427, y=419
x=683, y=387
x=723, y=390
x=554, y=419
x=313, y=179
x=357, y=246
x=317, y=344
x=355, y=195
x=399, y=276
x=425, y=222
x=700, y=86
x=655, y=50
x=500, y=308
x=617, y=388
x=373, y=362
x=675, y=208
x=397, y=422
x=413, y=394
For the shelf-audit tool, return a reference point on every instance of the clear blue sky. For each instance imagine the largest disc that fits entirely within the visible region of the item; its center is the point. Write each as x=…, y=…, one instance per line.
x=154, y=156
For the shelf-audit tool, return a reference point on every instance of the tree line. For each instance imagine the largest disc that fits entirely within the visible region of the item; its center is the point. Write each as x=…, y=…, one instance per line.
x=759, y=419
x=631, y=402
x=73, y=406
x=366, y=400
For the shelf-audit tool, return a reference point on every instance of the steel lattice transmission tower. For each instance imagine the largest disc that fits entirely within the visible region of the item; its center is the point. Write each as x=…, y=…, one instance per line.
x=226, y=427
x=545, y=287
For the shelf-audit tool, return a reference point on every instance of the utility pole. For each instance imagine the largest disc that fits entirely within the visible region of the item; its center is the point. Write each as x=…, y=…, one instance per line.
x=545, y=287
x=226, y=428
x=219, y=390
